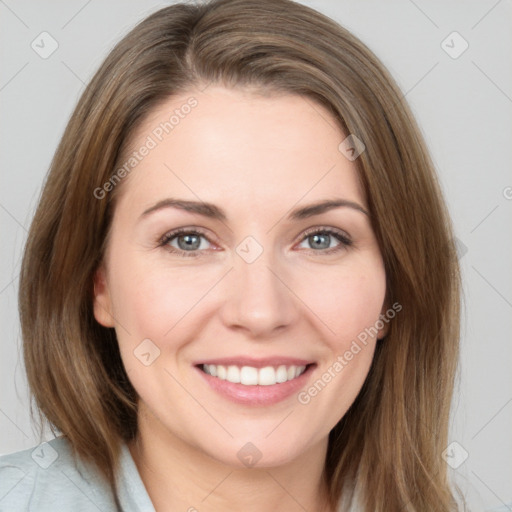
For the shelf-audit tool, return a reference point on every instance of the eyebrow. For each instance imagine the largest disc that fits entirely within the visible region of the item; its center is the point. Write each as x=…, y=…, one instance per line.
x=215, y=212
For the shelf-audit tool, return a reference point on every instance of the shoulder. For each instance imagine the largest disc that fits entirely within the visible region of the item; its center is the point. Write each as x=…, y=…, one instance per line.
x=50, y=477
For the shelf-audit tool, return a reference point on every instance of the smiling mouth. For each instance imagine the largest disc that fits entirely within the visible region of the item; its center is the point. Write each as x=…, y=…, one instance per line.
x=252, y=376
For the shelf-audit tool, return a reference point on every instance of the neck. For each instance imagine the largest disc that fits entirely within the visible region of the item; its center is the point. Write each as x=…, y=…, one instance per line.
x=179, y=476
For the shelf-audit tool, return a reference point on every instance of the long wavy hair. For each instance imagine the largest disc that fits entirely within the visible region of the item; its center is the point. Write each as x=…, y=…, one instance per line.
x=386, y=451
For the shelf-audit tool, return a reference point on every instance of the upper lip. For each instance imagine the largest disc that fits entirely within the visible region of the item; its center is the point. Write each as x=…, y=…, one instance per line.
x=255, y=362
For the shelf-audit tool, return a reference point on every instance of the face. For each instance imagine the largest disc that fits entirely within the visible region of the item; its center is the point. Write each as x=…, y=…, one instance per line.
x=218, y=270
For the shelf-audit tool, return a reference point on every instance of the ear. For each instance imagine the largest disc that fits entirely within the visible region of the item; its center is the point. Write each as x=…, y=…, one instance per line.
x=101, y=300
x=383, y=319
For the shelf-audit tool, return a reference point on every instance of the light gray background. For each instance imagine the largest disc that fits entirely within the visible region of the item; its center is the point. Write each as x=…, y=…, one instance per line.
x=464, y=107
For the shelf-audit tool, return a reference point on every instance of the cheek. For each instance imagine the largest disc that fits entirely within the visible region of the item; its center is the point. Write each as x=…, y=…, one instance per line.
x=151, y=299
x=153, y=307
x=346, y=300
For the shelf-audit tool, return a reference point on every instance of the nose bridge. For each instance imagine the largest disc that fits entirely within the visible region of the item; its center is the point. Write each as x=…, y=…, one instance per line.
x=258, y=300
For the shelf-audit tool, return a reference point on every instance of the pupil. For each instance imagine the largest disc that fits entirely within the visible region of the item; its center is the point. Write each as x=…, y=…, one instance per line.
x=317, y=237
x=189, y=242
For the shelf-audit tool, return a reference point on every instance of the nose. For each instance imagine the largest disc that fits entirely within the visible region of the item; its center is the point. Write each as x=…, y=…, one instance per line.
x=259, y=299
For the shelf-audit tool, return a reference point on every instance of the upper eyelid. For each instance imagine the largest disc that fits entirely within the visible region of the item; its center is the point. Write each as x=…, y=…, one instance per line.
x=183, y=231
x=328, y=229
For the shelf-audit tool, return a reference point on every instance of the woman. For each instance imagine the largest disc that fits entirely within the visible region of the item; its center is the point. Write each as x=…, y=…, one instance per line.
x=239, y=289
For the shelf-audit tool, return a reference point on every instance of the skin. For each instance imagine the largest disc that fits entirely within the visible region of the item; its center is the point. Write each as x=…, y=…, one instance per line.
x=256, y=157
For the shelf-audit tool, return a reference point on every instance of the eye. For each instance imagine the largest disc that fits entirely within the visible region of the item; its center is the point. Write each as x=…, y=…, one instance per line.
x=187, y=242
x=320, y=240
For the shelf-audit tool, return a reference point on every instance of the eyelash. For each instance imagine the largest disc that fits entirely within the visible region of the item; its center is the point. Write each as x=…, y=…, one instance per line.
x=168, y=237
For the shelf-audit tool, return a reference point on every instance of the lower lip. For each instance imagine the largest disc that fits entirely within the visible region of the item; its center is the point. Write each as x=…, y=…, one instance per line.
x=257, y=395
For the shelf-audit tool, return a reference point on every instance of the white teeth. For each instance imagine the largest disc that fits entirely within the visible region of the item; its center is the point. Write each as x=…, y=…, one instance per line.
x=221, y=372
x=233, y=374
x=250, y=376
x=281, y=374
x=266, y=376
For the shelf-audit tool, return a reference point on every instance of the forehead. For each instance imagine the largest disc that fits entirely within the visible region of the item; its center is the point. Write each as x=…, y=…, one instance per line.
x=226, y=143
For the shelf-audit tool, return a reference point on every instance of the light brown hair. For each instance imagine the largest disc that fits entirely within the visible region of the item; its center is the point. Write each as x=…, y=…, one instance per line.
x=387, y=447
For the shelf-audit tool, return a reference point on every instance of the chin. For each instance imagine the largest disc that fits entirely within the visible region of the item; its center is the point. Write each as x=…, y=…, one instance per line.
x=259, y=452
